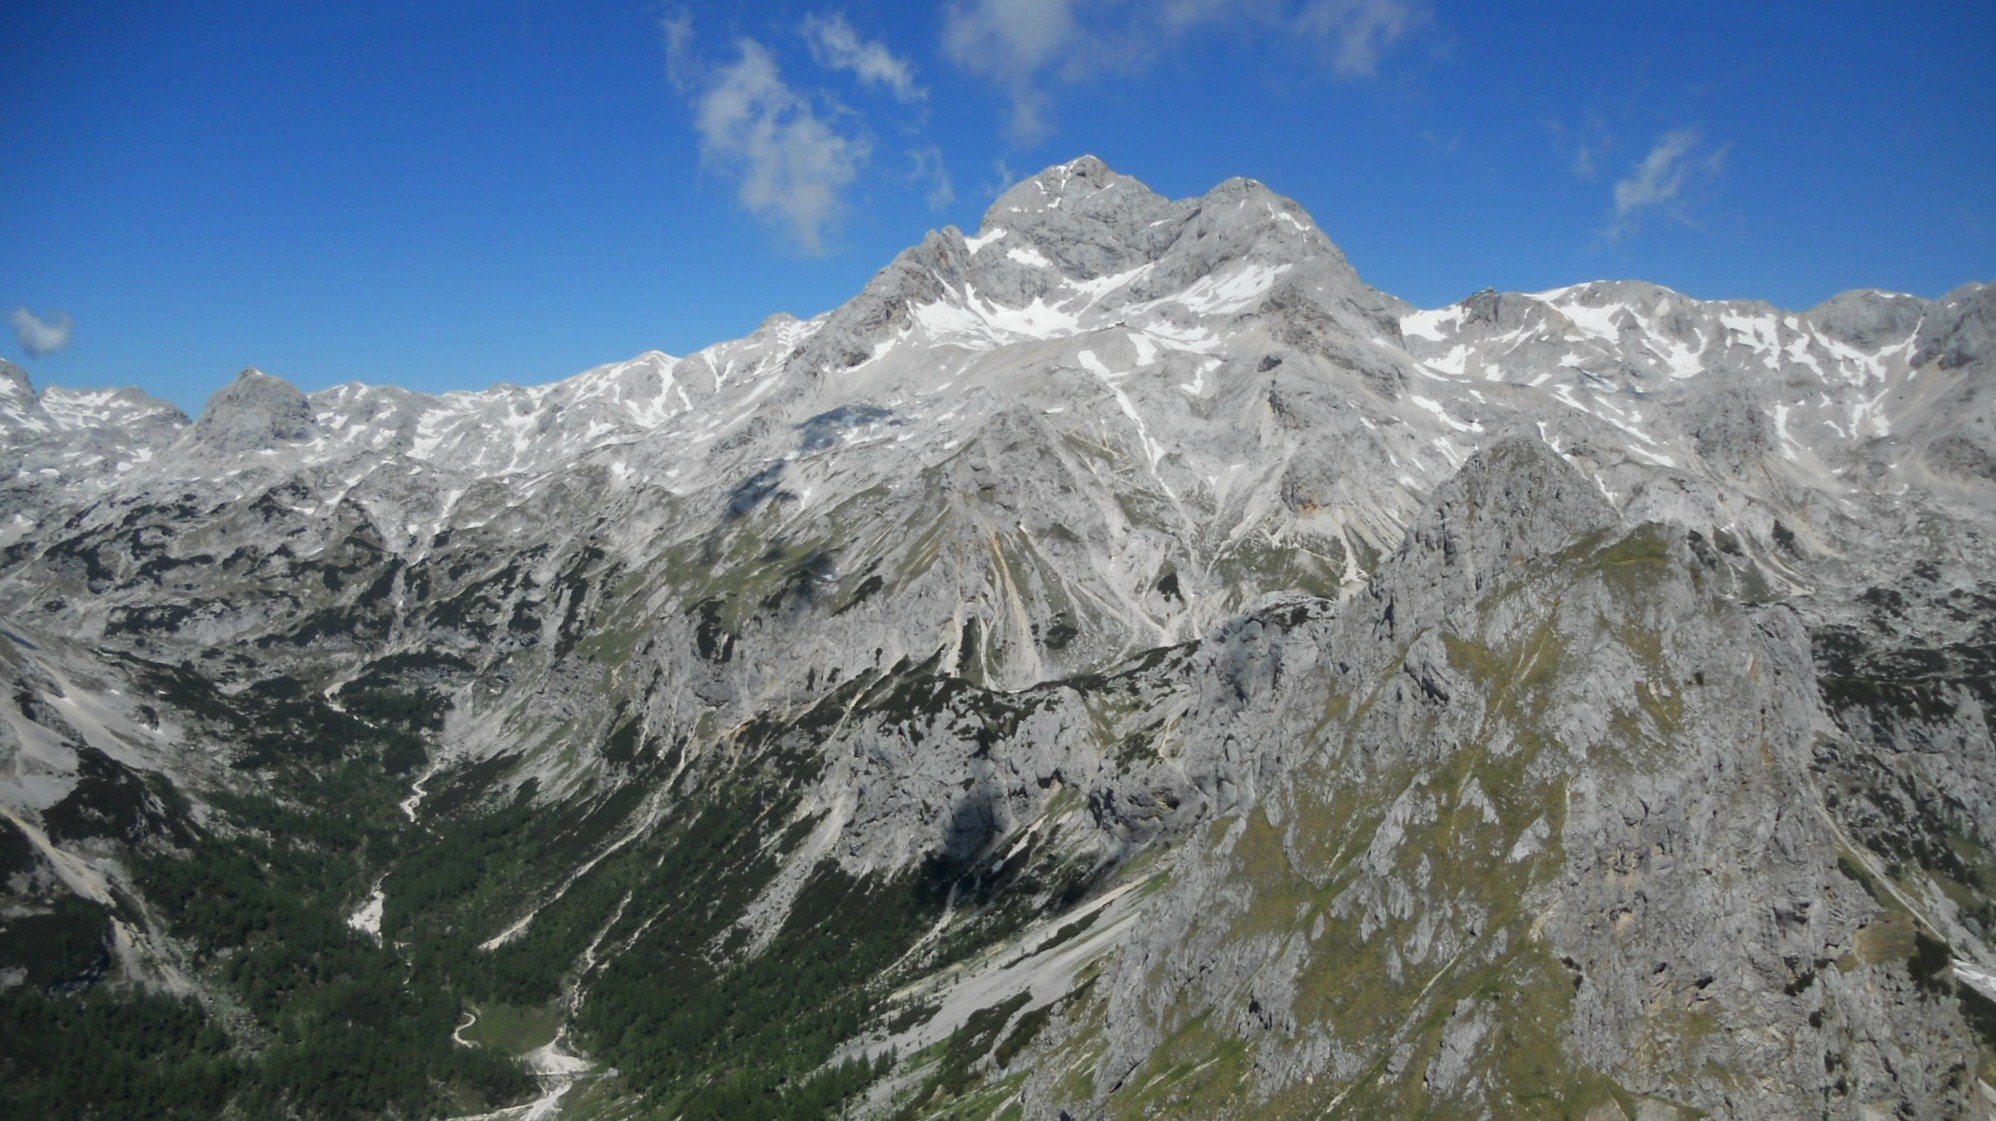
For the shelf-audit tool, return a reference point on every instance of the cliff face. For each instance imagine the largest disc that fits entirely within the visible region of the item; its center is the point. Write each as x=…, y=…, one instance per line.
x=1540, y=809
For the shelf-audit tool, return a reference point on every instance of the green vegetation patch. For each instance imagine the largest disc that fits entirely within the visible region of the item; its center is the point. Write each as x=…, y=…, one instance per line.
x=351, y=1032
x=99, y=1055
x=65, y=947
x=514, y=1029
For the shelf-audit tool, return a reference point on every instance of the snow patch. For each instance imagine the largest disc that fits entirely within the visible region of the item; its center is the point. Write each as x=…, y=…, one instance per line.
x=1435, y=326
x=1442, y=414
x=1145, y=348
x=1981, y=980
x=1197, y=385
x=1789, y=445
x=1597, y=322
x=981, y=324
x=366, y=918
x=1152, y=449
x=1453, y=362
x=1028, y=256
x=1235, y=292
x=1093, y=290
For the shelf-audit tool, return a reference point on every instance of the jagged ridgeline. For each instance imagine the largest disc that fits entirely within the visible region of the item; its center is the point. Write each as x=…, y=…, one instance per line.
x=1119, y=665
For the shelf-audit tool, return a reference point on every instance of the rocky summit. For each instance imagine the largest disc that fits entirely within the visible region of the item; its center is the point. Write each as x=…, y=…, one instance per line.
x=1119, y=665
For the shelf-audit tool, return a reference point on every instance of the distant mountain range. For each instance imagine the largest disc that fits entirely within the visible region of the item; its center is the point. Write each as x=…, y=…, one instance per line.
x=1118, y=665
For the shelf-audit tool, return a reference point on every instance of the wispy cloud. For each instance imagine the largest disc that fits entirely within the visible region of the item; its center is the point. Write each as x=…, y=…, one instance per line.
x=1591, y=143
x=837, y=46
x=1012, y=42
x=1028, y=46
x=790, y=162
x=1585, y=145
x=41, y=337
x=926, y=167
x=1660, y=177
x=1677, y=164
x=680, y=64
x=1003, y=179
x=1360, y=31
x=1583, y=160
x=1443, y=145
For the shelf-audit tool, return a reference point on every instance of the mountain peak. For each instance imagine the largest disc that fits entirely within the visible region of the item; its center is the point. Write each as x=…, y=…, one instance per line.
x=1515, y=498
x=1076, y=184
x=1084, y=173
x=254, y=412
x=1084, y=167
x=14, y=380
x=1088, y=219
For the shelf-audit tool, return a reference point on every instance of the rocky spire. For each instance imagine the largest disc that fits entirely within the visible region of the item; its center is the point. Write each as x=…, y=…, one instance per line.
x=253, y=413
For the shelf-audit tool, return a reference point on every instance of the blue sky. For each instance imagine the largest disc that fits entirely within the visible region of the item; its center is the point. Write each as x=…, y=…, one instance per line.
x=446, y=196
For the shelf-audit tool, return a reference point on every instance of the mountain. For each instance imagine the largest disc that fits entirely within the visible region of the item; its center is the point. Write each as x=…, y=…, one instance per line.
x=1119, y=664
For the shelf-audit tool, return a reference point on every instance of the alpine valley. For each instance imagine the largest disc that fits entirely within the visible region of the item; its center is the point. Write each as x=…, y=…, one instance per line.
x=1119, y=665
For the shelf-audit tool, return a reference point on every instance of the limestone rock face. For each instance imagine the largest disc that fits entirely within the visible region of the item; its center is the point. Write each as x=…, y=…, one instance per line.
x=1552, y=779
x=255, y=412
x=1119, y=664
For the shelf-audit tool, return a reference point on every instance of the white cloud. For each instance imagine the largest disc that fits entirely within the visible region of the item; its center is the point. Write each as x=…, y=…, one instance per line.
x=1003, y=179
x=1590, y=142
x=680, y=65
x=1583, y=160
x=791, y=164
x=837, y=46
x=1360, y=31
x=926, y=166
x=1444, y=145
x=40, y=337
x=1660, y=176
x=1024, y=46
x=1012, y=42
x=1177, y=15
x=1673, y=167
